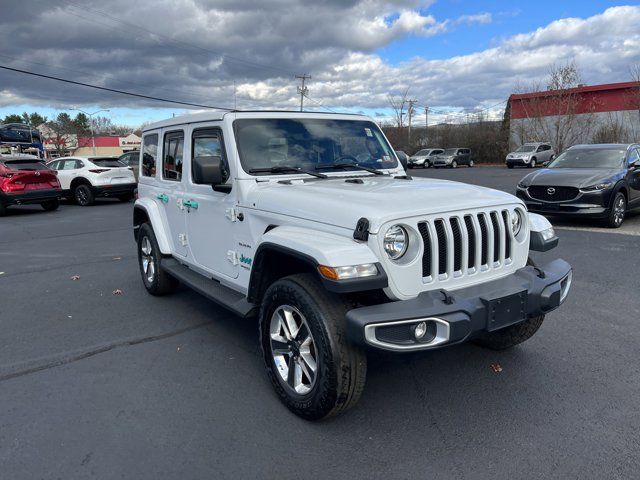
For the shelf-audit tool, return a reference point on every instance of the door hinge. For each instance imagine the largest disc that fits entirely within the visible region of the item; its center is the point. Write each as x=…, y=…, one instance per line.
x=182, y=238
x=232, y=256
x=230, y=213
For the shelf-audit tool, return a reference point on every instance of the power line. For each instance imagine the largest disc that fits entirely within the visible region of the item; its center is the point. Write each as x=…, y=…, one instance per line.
x=113, y=90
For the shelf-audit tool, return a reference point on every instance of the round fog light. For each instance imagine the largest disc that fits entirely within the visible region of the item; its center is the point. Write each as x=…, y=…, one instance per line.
x=420, y=330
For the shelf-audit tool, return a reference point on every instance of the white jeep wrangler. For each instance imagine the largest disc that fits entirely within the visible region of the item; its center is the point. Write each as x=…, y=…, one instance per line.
x=309, y=222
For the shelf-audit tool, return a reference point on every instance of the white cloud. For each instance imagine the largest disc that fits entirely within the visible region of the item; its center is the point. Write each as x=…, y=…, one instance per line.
x=335, y=41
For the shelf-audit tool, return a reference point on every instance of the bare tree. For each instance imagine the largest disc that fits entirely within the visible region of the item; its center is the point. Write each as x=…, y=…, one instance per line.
x=399, y=105
x=554, y=116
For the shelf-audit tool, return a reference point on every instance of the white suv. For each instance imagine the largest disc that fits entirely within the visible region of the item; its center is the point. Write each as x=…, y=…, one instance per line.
x=530, y=155
x=424, y=158
x=309, y=222
x=85, y=178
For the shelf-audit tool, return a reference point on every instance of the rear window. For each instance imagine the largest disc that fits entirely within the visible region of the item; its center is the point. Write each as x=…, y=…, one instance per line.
x=107, y=162
x=25, y=165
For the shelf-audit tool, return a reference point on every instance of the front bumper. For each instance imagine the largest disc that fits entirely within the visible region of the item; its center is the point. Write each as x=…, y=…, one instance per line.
x=114, y=190
x=30, y=197
x=454, y=317
x=591, y=205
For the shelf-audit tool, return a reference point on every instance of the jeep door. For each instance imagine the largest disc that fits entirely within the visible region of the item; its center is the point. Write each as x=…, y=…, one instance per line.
x=210, y=219
x=169, y=193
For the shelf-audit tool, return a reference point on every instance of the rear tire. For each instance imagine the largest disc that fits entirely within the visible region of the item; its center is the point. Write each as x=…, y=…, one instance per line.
x=617, y=211
x=3, y=209
x=509, y=165
x=511, y=336
x=83, y=195
x=340, y=367
x=51, y=205
x=470, y=163
x=155, y=280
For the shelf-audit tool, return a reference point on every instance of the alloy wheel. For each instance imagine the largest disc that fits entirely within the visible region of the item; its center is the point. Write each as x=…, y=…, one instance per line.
x=81, y=195
x=618, y=211
x=148, y=262
x=293, y=349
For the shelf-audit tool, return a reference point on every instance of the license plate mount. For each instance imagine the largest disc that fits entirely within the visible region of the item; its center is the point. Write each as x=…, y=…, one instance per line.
x=507, y=310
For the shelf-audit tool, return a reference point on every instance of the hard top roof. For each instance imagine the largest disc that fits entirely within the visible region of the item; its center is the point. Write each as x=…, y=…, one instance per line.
x=217, y=115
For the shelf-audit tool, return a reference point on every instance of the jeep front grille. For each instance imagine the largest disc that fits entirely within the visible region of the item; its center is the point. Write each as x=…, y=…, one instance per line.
x=460, y=245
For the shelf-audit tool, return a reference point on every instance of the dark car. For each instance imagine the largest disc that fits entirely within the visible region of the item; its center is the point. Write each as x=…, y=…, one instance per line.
x=132, y=159
x=19, y=133
x=593, y=181
x=452, y=157
x=24, y=179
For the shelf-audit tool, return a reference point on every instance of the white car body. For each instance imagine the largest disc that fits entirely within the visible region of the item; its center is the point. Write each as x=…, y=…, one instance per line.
x=103, y=180
x=190, y=235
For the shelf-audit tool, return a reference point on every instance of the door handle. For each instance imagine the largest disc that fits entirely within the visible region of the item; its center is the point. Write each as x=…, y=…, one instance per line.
x=164, y=198
x=190, y=204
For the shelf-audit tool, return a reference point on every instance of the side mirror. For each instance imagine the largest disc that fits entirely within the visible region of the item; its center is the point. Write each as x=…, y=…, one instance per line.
x=634, y=165
x=403, y=161
x=209, y=170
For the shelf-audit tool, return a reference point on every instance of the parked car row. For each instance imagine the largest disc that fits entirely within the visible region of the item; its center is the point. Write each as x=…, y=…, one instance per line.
x=530, y=155
x=438, y=157
x=26, y=179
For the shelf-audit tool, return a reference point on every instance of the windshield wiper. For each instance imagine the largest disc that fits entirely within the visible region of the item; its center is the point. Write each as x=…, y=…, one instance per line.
x=285, y=169
x=349, y=165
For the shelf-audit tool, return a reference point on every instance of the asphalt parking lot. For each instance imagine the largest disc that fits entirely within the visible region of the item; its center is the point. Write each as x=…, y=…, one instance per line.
x=100, y=380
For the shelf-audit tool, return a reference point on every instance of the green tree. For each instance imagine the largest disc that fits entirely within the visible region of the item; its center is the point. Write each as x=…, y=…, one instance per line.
x=81, y=123
x=12, y=118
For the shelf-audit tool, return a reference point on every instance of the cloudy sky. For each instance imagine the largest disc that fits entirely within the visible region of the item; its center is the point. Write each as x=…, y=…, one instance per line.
x=453, y=55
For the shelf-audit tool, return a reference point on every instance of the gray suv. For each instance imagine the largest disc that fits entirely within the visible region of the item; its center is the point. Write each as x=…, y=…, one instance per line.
x=452, y=157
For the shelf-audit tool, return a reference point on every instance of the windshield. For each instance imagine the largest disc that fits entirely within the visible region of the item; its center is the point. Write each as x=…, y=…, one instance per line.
x=450, y=151
x=310, y=143
x=526, y=148
x=590, y=158
x=423, y=153
x=107, y=162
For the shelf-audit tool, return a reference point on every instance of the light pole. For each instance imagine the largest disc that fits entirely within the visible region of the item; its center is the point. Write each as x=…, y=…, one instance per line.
x=90, y=115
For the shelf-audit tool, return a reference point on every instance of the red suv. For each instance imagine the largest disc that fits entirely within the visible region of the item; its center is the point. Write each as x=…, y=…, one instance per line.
x=24, y=179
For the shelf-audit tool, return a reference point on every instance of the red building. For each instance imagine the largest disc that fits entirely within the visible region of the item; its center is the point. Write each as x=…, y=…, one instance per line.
x=585, y=114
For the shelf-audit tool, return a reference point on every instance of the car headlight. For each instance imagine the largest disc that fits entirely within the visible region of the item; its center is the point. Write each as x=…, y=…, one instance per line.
x=395, y=242
x=516, y=222
x=596, y=188
x=523, y=185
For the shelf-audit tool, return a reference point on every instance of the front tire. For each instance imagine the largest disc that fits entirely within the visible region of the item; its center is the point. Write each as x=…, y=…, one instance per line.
x=51, y=205
x=532, y=163
x=617, y=211
x=509, y=165
x=454, y=164
x=470, y=163
x=83, y=195
x=155, y=280
x=313, y=368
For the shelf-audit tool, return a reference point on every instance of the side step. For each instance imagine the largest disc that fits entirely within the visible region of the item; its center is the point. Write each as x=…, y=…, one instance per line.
x=212, y=289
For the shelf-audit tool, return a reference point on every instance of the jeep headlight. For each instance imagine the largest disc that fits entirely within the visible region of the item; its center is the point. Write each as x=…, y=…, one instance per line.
x=396, y=242
x=516, y=222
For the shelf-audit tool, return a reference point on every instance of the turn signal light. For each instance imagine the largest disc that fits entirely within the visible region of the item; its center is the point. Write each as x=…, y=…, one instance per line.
x=351, y=271
x=99, y=170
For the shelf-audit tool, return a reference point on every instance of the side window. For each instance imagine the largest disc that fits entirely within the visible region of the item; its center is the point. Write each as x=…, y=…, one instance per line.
x=172, y=156
x=149, y=155
x=54, y=165
x=634, y=156
x=79, y=164
x=209, y=143
x=68, y=165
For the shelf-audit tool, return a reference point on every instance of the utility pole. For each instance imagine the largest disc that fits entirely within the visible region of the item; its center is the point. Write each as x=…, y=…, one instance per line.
x=93, y=137
x=411, y=102
x=303, y=91
x=426, y=124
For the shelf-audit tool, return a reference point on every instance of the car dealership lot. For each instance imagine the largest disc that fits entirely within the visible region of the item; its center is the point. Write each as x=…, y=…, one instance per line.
x=97, y=378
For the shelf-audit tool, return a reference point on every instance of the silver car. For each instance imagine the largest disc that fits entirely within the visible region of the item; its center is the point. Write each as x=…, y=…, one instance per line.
x=531, y=154
x=424, y=157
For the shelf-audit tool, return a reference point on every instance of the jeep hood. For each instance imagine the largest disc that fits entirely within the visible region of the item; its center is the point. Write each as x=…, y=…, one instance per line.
x=379, y=199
